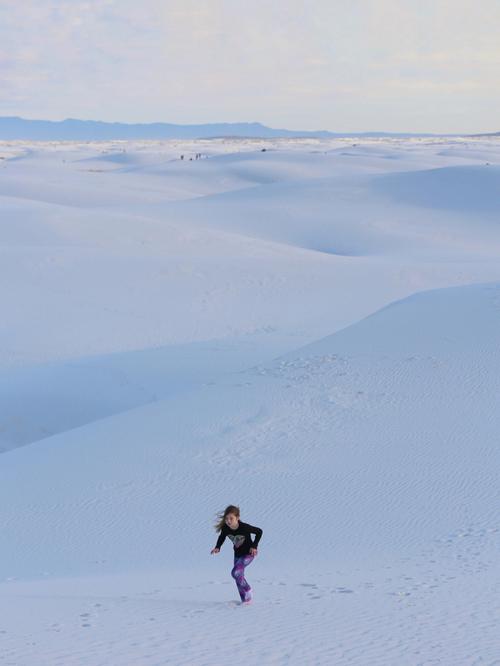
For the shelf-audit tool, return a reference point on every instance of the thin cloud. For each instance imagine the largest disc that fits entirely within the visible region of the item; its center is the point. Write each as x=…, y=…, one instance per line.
x=215, y=60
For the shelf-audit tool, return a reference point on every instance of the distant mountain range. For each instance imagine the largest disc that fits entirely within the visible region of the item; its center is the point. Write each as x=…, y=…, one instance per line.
x=13, y=127
x=488, y=134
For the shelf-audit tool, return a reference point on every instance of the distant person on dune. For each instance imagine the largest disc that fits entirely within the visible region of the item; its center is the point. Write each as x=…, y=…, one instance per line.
x=230, y=525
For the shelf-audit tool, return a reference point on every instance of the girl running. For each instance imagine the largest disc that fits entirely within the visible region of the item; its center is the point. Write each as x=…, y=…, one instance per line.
x=230, y=525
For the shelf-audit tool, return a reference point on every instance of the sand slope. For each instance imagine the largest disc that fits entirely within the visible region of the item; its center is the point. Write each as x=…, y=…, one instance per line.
x=164, y=358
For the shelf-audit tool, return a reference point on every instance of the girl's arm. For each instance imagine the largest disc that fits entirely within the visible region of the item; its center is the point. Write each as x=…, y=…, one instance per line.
x=220, y=540
x=258, y=534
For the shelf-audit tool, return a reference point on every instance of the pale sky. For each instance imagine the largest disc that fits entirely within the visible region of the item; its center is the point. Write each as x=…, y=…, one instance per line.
x=341, y=65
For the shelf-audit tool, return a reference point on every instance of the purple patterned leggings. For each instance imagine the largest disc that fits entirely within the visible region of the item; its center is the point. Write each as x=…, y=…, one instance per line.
x=238, y=573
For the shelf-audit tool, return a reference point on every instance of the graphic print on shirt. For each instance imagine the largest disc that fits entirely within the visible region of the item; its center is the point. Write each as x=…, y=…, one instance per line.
x=237, y=539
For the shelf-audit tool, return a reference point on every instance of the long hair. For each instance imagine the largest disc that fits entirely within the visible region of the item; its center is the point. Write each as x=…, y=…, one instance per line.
x=221, y=516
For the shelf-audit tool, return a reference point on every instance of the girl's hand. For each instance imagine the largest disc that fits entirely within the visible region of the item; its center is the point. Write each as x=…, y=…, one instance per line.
x=253, y=551
x=214, y=551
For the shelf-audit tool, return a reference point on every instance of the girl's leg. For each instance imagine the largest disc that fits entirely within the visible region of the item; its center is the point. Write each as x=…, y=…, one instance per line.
x=238, y=573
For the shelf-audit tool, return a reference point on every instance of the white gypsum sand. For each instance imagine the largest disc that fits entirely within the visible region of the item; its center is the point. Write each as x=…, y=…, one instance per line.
x=310, y=331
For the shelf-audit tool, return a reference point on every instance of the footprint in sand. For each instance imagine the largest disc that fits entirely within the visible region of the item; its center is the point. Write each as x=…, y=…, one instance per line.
x=85, y=616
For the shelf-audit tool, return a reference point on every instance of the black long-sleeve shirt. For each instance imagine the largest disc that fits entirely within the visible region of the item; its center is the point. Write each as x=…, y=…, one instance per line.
x=241, y=538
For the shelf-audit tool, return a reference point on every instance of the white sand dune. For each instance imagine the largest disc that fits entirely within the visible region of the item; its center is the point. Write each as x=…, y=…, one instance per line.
x=165, y=358
x=466, y=189
x=346, y=445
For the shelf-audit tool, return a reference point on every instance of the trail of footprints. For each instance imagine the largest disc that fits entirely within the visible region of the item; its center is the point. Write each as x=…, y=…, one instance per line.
x=461, y=554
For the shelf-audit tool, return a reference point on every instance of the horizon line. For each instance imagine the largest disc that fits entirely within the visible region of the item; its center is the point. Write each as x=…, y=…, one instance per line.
x=244, y=122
